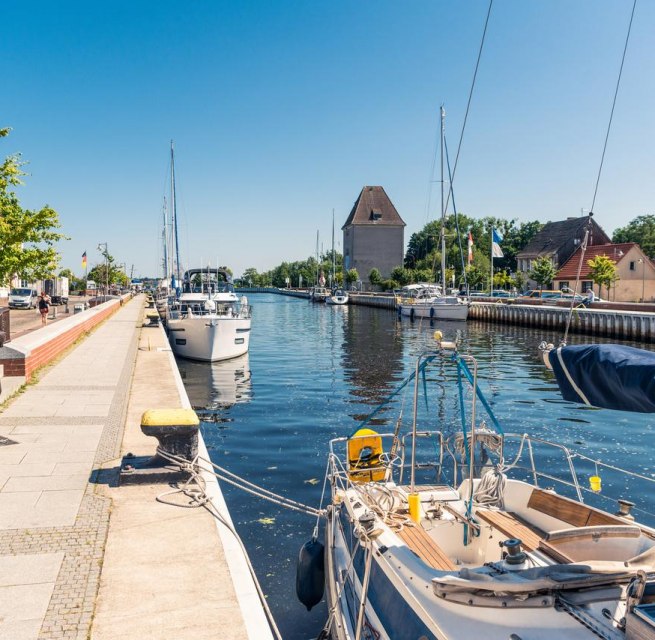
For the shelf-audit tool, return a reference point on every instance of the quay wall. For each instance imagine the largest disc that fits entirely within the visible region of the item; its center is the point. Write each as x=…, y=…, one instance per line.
x=24, y=355
x=624, y=325
x=250, y=605
x=631, y=322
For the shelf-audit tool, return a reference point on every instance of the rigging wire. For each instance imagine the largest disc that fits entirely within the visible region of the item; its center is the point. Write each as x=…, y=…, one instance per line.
x=468, y=104
x=616, y=93
x=459, y=235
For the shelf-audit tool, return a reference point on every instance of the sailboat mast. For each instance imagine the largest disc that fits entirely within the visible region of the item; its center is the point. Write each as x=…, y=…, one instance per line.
x=165, y=240
x=334, y=265
x=174, y=215
x=316, y=258
x=443, y=211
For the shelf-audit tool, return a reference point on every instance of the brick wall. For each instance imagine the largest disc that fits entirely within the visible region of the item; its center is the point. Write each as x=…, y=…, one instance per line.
x=41, y=347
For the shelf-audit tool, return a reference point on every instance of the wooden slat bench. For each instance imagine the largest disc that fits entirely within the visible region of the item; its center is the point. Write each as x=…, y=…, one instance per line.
x=420, y=542
x=570, y=511
x=512, y=526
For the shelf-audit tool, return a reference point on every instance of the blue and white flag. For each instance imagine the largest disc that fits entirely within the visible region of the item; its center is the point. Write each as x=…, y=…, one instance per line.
x=496, y=239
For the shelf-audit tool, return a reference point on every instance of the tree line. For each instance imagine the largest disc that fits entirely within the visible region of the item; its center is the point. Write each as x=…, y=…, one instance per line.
x=28, y=241
x=422, y=260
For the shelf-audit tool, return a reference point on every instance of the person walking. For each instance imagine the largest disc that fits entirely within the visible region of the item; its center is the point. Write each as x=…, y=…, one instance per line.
x=44, y=307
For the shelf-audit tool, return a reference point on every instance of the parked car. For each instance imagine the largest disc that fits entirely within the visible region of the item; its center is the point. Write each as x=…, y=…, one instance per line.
x=23, y=298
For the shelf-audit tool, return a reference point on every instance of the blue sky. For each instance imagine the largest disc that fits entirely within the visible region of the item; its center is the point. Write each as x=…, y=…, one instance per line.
x=282, y=111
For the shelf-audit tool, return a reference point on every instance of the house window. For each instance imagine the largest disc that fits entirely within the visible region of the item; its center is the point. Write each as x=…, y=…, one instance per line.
x=563, y=285
x=587, y=285
x=376, y=214
x=633, y=265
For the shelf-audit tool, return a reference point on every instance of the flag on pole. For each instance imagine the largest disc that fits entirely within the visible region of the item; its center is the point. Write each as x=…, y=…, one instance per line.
x=496, y=239
x=84, y=260
x=470, y=244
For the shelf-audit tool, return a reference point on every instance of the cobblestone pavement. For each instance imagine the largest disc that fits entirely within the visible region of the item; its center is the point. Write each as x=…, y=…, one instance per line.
x=103, y=363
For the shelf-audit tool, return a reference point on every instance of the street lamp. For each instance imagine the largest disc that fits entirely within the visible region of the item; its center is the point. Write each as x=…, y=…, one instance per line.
x=102, y=247
x=643, y=277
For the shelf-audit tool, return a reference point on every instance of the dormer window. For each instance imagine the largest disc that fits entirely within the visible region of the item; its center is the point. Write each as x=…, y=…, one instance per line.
x=376, y=214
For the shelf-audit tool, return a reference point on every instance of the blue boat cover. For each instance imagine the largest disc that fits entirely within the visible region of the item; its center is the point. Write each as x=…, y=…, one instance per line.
x=610, y=376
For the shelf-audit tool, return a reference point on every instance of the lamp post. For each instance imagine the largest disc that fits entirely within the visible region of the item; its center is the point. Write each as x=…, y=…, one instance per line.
x=102, y=247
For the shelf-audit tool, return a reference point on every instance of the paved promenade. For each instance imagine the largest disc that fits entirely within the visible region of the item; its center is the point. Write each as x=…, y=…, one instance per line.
x=80, y=557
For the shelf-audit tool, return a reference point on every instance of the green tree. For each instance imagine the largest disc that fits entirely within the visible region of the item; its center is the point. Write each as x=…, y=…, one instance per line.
x=401, y=275
x=74, y=283
x=107, y=272
x=543, y=271
x=389, y=284
x=27, y=238
x=251, y=277
x=422, y=275
x=502, y=279
x=518, y=281
x=374, y=276
x=602, y=270
x=352, y=276
x=640, y=230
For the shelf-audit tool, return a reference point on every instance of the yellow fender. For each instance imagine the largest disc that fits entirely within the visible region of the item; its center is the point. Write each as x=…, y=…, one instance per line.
x=364, y=451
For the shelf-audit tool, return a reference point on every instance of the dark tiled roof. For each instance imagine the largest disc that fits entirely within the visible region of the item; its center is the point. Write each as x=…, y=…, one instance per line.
x=557, y=234
x=615, y=252
x=374, y=207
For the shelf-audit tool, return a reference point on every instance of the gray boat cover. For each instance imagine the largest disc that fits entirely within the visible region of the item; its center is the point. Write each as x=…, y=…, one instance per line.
x=610, y=376
x=538, y=579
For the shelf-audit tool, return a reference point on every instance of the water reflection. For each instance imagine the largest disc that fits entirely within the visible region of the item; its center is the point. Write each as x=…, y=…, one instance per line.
x=371, y=357
x=317, y=371
x=213, y=386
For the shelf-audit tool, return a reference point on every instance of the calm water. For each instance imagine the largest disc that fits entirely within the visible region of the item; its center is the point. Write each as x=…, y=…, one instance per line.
x=315, y=371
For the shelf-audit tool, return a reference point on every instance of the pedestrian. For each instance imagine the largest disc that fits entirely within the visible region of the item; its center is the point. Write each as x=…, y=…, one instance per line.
x=44, y=307
x=591, y=296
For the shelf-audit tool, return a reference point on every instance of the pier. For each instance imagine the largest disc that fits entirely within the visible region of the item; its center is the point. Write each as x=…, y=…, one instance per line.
x=82, y=555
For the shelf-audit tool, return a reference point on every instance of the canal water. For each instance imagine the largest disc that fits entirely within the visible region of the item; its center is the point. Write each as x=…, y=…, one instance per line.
x=315, y=371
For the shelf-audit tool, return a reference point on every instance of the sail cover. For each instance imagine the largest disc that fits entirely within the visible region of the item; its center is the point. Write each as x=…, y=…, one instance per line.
x=610, y=376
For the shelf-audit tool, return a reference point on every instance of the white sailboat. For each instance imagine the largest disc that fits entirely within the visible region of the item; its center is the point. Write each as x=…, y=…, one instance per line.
x=338, y=296
x=436, y=306
x=208, y=321
x=500, y=549
x=205, y=319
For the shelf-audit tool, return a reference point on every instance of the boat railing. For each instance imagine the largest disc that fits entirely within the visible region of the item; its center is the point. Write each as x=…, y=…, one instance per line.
x=541, y=462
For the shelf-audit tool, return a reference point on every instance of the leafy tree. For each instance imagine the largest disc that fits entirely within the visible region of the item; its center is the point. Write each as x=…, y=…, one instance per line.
x=27, y=238
x=74, y=283
x=543, y=271
x=476, y=276
x=374, y=276
x=602, y=270
x=424, y=247
x=502, y=279
x=107, y=272
x=352, y=276
x=519, y=281
x=422, y=275
x=390, y=284
x=250, y=276
x=401, y=275
x=640, y=230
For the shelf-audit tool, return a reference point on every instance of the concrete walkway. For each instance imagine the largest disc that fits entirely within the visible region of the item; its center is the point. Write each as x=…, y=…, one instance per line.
x=55, y=505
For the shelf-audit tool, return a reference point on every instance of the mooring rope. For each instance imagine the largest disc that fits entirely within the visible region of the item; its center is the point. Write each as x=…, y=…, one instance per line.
x=199, y=498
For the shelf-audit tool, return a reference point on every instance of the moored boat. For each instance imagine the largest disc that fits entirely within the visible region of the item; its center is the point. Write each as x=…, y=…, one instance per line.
x=318, y=294
x=208, y=321
x=337, y=297
x=426, y=303
x=455, y=533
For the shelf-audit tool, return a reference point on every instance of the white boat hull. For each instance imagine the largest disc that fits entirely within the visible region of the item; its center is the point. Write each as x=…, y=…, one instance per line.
x=435, y=310
x=209, y=338
x=336, y=300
